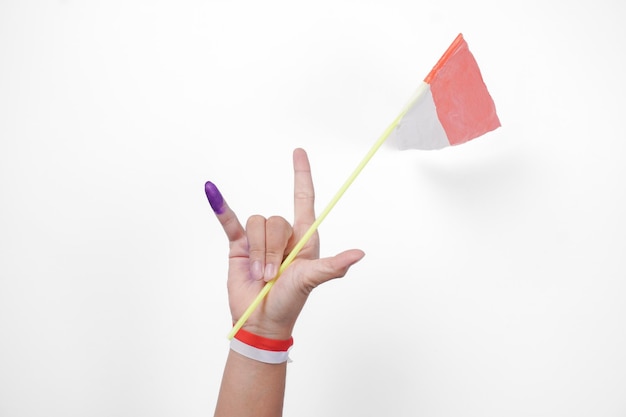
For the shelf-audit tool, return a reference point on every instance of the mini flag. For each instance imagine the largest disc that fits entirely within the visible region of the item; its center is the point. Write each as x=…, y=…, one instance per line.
x=452, y=105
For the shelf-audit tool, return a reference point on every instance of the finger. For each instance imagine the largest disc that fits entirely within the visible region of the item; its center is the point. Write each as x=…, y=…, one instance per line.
x=325, y=269
x=228, y=219
x=277, y=234
x=255, y=231
x=304, y=193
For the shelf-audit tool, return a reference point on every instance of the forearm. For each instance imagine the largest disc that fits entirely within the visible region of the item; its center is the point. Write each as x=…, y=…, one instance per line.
x=251, y=388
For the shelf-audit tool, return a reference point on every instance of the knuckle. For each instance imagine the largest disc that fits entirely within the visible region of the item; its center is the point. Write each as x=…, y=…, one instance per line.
x=277, y=221
x=228, y=221
x=277, y=226
x=273, y=254
x=255, y=219
x=256, y=252
x=304, y=195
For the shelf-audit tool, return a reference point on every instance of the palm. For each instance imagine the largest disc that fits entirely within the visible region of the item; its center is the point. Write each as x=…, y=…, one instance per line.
x=288, y=295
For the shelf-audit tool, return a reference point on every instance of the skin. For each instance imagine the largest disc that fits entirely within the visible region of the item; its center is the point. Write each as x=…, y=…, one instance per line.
x=251, y=388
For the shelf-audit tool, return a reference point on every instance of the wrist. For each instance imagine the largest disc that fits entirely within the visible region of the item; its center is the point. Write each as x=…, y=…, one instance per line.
x=275, y=332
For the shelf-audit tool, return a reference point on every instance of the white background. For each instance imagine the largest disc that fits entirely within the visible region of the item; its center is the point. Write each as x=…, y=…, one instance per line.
x=494, y=280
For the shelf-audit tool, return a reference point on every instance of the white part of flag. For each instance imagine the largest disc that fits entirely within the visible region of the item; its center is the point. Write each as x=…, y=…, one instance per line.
x=420, y=127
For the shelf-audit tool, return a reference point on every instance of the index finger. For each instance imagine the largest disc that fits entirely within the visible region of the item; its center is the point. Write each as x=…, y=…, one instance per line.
x=228, y=219
x=304, y=193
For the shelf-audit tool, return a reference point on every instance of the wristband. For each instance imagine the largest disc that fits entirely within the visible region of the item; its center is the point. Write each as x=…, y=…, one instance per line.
x=261, y=348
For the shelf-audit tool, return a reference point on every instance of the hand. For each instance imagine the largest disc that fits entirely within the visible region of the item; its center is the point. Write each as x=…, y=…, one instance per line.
x=257, y=251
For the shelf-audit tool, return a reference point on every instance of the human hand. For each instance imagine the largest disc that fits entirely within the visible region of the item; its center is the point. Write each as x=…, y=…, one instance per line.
x=257, y=251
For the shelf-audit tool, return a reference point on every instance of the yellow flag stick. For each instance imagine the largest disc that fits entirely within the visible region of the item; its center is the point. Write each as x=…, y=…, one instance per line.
x=307, y=235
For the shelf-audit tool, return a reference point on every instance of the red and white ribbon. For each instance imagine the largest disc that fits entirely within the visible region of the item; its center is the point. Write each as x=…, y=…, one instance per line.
x=261, y=348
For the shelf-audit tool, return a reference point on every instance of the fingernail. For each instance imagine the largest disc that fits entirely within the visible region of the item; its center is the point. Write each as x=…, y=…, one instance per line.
x=256, y=270
x=270, y=272
x=215, y=197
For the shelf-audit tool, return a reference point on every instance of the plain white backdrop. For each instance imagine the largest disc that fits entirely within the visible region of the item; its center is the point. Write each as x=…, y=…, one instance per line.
x=494, y=280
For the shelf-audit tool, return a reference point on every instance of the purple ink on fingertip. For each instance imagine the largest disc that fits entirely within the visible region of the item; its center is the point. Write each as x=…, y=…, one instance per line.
x=215, y=197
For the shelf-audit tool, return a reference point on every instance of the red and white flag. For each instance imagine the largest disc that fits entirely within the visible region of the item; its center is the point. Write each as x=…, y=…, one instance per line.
x=452, y=106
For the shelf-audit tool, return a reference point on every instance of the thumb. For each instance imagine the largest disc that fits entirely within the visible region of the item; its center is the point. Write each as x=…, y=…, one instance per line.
x=321, y=270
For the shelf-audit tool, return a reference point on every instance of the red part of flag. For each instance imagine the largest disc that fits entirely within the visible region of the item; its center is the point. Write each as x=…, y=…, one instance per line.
x=464, y=106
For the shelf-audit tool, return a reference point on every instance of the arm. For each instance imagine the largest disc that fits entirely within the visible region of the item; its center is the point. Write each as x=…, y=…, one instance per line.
x=250, y=387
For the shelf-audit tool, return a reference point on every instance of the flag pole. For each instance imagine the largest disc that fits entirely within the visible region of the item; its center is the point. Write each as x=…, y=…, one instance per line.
x=307, y=235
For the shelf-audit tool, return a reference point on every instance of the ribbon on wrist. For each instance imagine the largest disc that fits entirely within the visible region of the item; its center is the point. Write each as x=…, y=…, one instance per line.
x=261, y=348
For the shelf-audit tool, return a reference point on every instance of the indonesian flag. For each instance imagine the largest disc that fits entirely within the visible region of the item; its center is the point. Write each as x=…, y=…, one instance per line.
x=451, y=106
